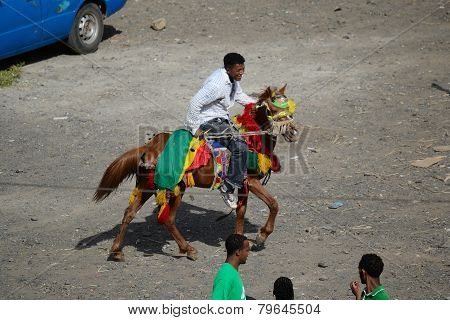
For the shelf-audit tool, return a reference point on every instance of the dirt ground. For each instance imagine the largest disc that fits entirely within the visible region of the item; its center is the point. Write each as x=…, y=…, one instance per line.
x=361, y=73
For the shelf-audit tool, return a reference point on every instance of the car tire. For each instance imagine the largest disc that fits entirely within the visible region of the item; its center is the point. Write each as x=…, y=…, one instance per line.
x=87, y=29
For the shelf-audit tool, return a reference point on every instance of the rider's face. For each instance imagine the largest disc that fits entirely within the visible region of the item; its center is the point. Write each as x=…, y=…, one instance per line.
x=236, y=71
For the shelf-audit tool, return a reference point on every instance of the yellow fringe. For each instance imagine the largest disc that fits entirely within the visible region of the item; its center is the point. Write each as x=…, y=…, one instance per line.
x=133, y=195
x=176, y=191
x=292, y=106
x=190, y=180
x=264, y=163
x=161, y=197
x=193, y=147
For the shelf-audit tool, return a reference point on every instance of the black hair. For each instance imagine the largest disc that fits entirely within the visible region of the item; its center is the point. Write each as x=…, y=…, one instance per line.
x=372, y=264
x=234, y=242
x=283, y=289
x=231, y=59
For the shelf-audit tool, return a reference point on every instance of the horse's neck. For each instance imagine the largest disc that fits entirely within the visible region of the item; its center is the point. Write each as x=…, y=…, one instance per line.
x=268, y=141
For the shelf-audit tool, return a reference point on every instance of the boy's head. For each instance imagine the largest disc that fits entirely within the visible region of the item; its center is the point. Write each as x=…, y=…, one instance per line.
x=234, y=65
x=371, y=265
x=237, y=245
x=283, y=289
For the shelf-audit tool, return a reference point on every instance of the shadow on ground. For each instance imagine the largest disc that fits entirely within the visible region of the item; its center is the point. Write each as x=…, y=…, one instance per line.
x=195, y=223
x=50, y=51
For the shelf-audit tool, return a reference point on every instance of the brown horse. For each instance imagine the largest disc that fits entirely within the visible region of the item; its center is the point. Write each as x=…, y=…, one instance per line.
x=141, y=162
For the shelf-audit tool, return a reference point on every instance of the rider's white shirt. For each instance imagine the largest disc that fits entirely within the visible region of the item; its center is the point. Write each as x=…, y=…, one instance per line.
x=214, y=99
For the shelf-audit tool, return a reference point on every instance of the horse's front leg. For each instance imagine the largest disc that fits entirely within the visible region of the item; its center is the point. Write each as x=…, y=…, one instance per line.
x=258, y=189
x=240, y=211
x=184, y=247
x=140, y=197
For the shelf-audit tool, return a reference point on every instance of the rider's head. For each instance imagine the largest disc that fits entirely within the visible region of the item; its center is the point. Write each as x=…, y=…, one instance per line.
x=234, y=64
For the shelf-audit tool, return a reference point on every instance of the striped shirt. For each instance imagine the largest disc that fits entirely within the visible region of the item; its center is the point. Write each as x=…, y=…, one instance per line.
x=213, y=100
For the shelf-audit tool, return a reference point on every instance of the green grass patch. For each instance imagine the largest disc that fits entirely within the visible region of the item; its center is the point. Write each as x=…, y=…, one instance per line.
x=9, y=76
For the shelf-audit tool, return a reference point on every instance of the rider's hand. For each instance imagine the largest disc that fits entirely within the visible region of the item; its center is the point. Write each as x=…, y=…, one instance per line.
x=199, y=133
x=253, y=111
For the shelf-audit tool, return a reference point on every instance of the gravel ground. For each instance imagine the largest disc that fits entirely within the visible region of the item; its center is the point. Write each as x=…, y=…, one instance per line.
x=361, y=73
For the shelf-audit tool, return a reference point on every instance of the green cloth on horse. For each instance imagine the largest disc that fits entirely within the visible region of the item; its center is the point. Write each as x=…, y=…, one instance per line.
x=252, y=161
x=171, y=161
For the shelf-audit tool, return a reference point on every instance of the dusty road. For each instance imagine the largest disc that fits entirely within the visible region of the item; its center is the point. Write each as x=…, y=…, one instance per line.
x=361, y=73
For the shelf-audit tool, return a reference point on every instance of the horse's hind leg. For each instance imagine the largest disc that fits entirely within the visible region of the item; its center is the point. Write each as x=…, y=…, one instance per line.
x=184, y=247
x=116, y=253
x=258, y=189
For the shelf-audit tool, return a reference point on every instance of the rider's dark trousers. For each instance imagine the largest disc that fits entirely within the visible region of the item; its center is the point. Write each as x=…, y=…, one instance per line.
x=237, y=146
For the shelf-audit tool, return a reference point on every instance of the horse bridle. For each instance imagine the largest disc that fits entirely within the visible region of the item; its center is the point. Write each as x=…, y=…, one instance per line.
x=272, y=117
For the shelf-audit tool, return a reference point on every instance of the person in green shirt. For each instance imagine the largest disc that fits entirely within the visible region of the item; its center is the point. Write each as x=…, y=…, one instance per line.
x=370, y=268
x=228, y=283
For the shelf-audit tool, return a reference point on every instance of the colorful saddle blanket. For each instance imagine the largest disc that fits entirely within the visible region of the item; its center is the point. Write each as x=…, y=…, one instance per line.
x=184, y=153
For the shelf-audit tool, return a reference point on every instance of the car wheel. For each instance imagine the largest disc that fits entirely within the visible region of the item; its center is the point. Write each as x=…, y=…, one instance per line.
x=87, y=29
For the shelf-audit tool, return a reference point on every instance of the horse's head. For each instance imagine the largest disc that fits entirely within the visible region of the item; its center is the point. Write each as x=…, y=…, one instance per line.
x=275, y=113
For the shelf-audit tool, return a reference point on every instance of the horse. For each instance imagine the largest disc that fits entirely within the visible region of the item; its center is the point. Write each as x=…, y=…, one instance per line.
x=140, y=162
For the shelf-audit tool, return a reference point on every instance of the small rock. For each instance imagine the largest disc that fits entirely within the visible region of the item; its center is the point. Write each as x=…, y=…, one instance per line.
x=33, y=219
x=337, y=9
x=336, y=204
x=323, y=278
x=346, y=37
x=118, y=38
x=322, y=265
x=10, y=260
x=158, y=24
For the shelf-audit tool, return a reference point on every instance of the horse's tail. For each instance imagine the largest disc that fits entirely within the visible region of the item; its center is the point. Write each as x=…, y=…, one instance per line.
x=121, y=169
x=126, y=166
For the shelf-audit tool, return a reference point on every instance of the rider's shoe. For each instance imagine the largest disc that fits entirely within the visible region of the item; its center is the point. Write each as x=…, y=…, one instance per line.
x=228, y=196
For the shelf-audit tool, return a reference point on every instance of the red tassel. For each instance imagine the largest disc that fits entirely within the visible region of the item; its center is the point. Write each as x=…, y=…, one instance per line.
x=248, y=123
x=164, y=214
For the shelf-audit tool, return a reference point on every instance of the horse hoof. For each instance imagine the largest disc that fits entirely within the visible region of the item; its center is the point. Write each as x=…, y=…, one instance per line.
x=192, y=255
x=116, y=256
x=258, y=245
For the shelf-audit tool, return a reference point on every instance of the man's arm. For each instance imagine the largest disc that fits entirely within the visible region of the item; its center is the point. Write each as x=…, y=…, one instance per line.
x=242, y=98
x=209, y=93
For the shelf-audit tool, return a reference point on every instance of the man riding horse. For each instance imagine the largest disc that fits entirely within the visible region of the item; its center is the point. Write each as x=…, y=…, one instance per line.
x=171, y=162
x=208, y=112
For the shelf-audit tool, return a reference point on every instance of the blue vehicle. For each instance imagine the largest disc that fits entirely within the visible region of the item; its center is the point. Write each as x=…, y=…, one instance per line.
x=29, y=24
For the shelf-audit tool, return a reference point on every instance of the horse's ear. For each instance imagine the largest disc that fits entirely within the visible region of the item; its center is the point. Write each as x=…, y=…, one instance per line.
x=282, y=89
x=267, y=93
